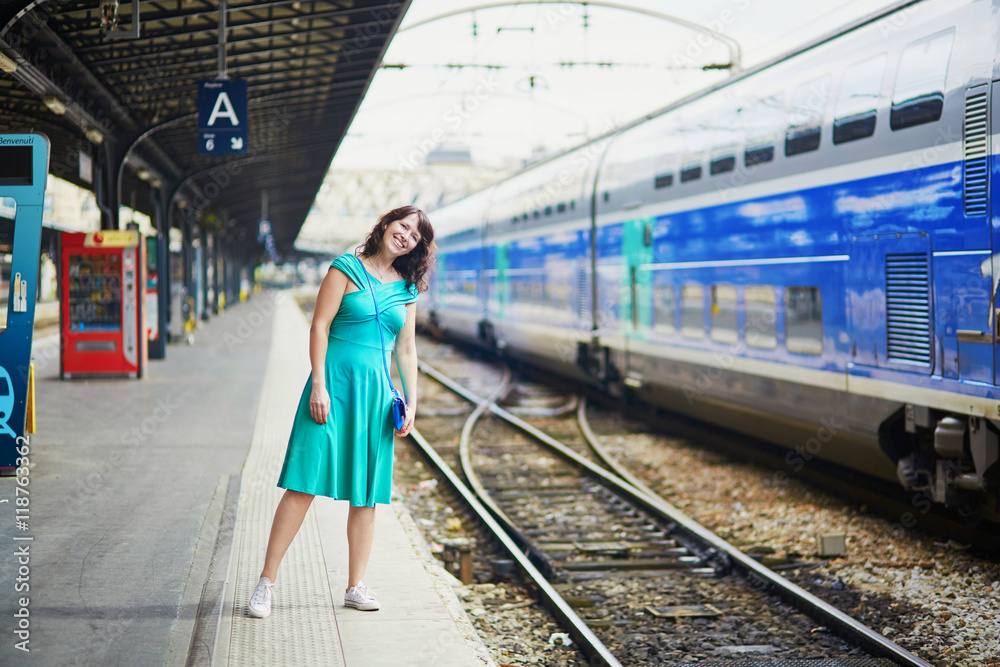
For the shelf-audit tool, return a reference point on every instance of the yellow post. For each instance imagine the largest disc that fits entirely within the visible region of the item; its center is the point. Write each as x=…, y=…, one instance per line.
x=29, y=417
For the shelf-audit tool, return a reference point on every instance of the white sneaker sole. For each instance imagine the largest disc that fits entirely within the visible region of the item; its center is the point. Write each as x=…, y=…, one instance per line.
x=362, y=606
x=258, y=614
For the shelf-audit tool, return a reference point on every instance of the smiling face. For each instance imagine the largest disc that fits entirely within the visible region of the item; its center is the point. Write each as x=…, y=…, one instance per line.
x=401, y=236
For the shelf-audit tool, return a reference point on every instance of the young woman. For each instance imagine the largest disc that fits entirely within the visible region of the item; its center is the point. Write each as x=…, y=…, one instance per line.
x=342, y=436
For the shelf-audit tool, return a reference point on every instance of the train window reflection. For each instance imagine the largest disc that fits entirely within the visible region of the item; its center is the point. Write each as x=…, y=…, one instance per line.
x=761, y=319
x=691, y=173
x=758, y=155
x=803, y=320
x=805, y=116
x=663, y=309
x=919, y=93
x=693, y=311
x=723, y=164
x=802, y=140
x=857, y=100
x=663, y=181
x=723, y=314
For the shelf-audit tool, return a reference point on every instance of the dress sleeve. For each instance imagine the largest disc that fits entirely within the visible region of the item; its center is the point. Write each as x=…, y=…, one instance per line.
x=351, y=267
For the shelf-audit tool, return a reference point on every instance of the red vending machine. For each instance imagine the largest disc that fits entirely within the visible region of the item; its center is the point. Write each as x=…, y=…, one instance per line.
x=102, y=323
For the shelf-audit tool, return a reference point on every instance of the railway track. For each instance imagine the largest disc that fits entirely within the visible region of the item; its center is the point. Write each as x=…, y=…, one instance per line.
x=606, y=553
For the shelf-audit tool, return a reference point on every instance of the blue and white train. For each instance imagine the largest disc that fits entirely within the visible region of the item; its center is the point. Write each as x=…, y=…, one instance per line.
x=807, y=253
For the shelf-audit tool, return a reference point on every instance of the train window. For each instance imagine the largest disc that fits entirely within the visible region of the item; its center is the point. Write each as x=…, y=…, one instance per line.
x=548, y=210
x=721, y=165
x=802, y=140
x=761, y=316
x=691, y=167
x=723, y=158
x=561, y=208
x=723, y=314
x=857, y=100
x=664, y=309
x=803, y=320
x=607, y=196
x=805, y=117
x=572, y=205
x=691, y=174
x=758, y=155
x=693, y=311
x=663, y=181
x=536, y=214
x=919, y=93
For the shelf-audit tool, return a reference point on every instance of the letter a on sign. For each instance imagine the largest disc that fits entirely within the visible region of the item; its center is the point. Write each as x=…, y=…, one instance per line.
x=223, y=107
x=222, y=116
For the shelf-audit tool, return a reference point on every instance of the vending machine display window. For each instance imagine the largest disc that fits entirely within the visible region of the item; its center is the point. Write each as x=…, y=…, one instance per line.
x=95, y=292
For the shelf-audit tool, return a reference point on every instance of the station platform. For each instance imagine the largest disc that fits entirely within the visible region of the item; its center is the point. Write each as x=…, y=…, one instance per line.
x=150, y=506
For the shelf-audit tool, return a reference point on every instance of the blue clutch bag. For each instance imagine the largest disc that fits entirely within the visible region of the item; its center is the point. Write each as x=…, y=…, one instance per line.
x=398, y=411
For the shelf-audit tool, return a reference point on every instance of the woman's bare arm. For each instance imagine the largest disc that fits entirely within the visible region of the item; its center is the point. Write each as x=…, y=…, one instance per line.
x=331, y=293
x=406, y=364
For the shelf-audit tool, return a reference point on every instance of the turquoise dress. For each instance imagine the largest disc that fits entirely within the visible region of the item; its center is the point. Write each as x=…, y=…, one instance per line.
x=350, y=456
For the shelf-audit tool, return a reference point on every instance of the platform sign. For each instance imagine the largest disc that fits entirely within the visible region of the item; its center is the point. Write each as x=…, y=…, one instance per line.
x=222, y=117
x=24, y=161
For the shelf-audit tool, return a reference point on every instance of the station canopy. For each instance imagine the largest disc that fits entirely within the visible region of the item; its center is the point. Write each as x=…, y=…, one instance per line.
x=106, y=90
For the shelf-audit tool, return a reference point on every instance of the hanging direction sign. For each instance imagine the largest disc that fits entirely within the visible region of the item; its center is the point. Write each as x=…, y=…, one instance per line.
x=222, y=117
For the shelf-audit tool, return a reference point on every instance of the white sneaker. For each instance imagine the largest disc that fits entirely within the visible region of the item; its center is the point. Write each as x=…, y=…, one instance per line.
x=260, y=601
x=361, y=597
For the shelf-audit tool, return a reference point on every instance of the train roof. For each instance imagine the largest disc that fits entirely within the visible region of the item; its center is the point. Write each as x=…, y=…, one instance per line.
x=767, y=64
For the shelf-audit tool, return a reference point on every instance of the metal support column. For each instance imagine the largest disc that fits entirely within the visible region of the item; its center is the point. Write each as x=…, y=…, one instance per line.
x=109, y=160
x=187, y=276
x=204, y=272
x=216, y=281
x=158, y=346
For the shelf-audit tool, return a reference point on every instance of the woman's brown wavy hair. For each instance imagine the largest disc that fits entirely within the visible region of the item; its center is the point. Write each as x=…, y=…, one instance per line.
x=414, y=265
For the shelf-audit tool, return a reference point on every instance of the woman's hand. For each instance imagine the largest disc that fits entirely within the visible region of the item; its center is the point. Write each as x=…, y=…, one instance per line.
x=408, y=423
x=319, y=404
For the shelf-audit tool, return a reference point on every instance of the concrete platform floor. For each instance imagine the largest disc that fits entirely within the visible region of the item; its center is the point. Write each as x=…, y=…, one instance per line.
x=148, y=500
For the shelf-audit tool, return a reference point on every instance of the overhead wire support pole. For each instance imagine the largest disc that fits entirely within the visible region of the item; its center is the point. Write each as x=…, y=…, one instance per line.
x=735, y=53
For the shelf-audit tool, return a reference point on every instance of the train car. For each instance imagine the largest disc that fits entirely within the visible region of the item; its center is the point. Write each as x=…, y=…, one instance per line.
x=803, y=253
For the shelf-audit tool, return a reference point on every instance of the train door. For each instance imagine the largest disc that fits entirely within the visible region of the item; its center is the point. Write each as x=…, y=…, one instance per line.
x=636, y=295
x=498, y=294
x=991, y=267
x=890, y=302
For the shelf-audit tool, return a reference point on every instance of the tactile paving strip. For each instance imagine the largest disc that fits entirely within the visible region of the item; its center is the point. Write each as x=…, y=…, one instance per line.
x=302, y=627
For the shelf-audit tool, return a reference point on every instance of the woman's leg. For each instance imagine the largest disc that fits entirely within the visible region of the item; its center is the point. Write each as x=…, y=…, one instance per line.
x=360, y=532
x=287, y=520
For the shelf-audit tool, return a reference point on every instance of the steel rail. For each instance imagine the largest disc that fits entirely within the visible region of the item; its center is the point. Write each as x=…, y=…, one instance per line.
x=841, y=624
x=465, y=455
x=594, y=648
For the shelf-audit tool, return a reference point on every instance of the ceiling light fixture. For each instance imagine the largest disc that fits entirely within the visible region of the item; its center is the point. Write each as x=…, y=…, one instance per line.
x=54, y=104
x=142, y=173
x=94, y=135
x=7, y=64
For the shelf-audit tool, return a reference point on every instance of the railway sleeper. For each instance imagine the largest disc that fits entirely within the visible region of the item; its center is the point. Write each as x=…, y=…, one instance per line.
x=597, y=565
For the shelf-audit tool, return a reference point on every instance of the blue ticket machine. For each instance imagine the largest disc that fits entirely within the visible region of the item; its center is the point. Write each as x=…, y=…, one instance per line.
x=24, y=162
